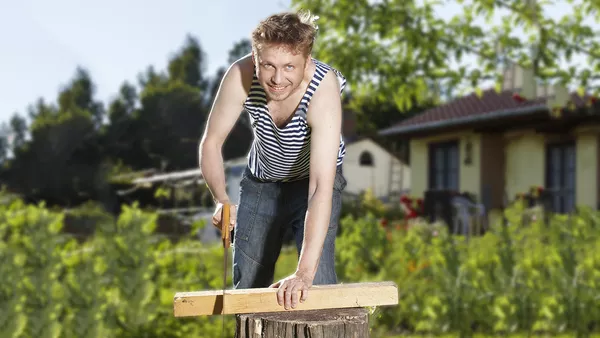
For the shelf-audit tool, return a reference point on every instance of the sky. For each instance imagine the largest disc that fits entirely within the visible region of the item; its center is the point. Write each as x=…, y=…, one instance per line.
x=42, y=42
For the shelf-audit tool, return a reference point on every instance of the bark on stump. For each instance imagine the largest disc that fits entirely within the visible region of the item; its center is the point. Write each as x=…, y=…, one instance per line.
x=328, y=323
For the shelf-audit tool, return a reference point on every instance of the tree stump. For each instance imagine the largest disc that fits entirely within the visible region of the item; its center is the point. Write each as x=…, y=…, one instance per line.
x=327, y=323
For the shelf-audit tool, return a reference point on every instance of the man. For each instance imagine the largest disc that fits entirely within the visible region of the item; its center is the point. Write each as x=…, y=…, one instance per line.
x=293, y=178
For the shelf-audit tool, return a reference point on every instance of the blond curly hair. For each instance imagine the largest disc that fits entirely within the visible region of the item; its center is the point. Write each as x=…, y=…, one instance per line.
x=296, y=31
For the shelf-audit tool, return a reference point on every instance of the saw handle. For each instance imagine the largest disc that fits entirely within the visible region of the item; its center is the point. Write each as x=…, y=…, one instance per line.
x=225, y=220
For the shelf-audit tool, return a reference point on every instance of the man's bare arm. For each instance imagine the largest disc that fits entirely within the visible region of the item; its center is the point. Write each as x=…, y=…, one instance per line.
x=325, y=119
x=225, y=111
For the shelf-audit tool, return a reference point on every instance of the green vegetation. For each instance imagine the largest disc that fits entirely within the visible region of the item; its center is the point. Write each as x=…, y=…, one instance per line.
x=98, y=271
x=407, y=52
x=527, y=277
x=120, y=281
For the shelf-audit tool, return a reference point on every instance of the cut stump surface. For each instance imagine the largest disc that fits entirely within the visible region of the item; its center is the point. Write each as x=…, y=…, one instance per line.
x=328, y=323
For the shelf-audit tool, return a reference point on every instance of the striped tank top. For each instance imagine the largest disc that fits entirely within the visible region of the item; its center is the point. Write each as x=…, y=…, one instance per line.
x=283, y=154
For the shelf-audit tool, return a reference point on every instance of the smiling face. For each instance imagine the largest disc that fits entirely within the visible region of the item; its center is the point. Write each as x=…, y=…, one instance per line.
x=279, y=70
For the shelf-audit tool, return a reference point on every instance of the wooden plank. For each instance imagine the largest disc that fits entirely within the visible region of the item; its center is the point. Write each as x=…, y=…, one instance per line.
x=237, y=301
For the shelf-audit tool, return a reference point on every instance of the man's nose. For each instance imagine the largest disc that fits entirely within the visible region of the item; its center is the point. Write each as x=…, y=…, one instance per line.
x=277, y=77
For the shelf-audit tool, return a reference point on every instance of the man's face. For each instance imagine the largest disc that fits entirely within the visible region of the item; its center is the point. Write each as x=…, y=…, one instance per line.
x=279, y=70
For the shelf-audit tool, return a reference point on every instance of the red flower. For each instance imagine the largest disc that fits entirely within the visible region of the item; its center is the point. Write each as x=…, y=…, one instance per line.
x=518, y=98
x=404, y=199
x=383, y=222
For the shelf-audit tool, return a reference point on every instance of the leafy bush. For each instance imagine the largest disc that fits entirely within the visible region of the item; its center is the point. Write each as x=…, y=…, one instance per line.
x=119, y=281
x=525, y=277
x=367, y=203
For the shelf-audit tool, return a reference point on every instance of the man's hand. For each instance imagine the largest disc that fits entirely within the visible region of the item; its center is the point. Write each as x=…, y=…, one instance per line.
x=218, y=214
x=288, y=288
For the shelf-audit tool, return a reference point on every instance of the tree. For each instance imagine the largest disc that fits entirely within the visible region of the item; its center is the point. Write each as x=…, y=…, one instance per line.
x=6, y=136
x=60, y=162
x=18, y=127
x=64, y=152
x=404, y=51
x=79, y=95
x=188, y=65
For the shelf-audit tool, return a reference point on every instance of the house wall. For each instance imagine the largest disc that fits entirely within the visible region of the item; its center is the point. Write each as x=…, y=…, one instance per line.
x=587, y=167
x=377, y=178
x=419, y=164
x=504, y=165
x=525, y=162
x=469, y=174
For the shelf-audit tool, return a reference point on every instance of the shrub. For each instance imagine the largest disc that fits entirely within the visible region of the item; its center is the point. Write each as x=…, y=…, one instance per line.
x=120, y=282
x=527, y=277
x=524, y=277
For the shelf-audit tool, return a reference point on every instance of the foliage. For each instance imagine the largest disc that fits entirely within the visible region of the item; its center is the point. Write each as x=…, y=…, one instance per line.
x=523, y=278
x=82, y=143
x=118, y=283
x=407, y=51
x=367, y=203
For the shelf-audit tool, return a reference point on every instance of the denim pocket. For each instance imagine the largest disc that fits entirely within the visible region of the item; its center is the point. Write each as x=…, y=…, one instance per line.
x=249, y=197
x=244, y=178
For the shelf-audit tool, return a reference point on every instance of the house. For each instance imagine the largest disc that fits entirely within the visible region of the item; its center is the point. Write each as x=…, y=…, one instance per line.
x=368, y=165
x=188, y=184
x=498, y=145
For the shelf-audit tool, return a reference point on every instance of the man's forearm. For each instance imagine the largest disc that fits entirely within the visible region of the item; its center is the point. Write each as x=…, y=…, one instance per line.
x=211, y=165
x=315, y=230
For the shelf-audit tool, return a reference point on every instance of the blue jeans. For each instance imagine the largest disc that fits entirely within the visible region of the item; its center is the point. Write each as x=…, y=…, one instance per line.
x=264, y=213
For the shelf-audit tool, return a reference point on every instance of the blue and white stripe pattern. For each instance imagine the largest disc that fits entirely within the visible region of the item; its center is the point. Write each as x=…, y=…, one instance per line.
x=283, y=154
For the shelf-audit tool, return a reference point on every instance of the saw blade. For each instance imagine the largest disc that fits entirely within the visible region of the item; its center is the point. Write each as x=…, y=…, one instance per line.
x=225, y=220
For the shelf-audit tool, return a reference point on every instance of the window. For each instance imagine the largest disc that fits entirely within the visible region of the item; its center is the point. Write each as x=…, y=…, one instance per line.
x=366, y=159
x=560, y=176
x=443, y=166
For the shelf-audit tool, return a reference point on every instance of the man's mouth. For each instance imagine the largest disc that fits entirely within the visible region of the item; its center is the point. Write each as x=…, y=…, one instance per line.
x=277, y=88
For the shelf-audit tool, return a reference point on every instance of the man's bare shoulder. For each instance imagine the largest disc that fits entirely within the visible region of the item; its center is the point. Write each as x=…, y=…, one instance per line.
x=330, y=86
x=237, y=79
x=327, y=98
x=244, y=68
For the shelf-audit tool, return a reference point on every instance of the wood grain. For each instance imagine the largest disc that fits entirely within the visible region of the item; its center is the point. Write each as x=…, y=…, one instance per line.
x=327, y=323
x=261, y=300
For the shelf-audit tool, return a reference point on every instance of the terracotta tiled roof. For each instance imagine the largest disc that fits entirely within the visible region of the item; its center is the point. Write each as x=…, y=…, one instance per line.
x=474, y=106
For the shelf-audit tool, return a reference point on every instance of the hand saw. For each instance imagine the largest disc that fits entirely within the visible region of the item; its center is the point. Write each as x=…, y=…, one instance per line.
x=226, y=238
